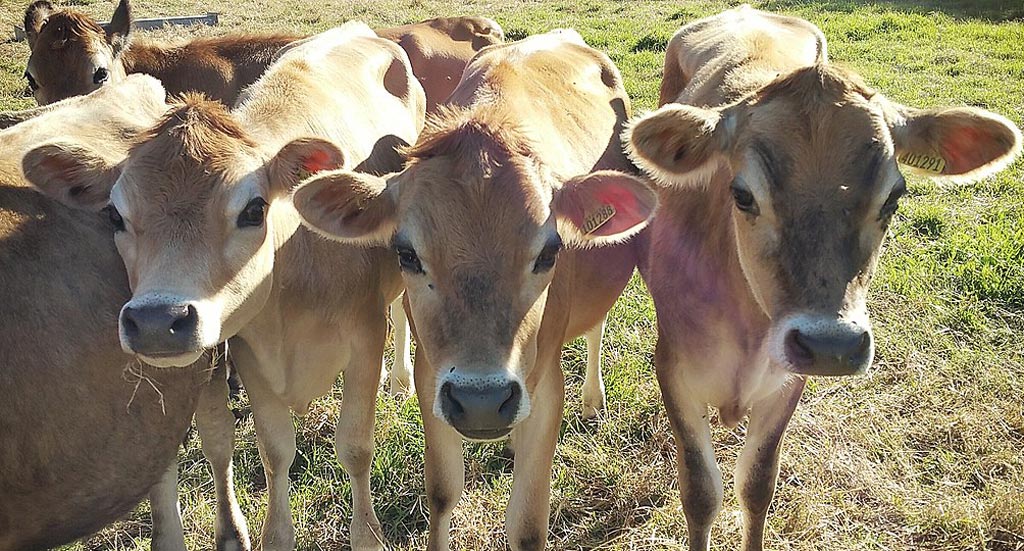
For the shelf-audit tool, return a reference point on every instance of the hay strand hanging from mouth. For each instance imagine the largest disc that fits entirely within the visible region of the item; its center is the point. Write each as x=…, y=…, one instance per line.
x=133, y=373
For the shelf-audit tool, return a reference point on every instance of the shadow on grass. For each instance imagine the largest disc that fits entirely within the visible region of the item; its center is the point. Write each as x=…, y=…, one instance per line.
x=992, y=11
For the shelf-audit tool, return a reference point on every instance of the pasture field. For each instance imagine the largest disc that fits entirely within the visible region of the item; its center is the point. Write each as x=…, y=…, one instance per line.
x=924, y=453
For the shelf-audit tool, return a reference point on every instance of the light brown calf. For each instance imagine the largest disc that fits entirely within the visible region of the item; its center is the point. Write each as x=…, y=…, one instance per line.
x=439, y=50
x=72, y=56
x=83, y=434
x=214, y=250
x=778, y=193
x=499, y=184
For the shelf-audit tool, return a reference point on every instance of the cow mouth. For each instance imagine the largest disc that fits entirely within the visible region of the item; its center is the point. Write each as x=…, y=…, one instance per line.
x=170, y=359
x=485, y=435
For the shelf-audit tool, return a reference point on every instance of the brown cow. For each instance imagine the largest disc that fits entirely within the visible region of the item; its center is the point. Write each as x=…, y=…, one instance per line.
x=778, y=193
x=72, y=56
x=439, y=50
x=214, y=251
x=478, y=219
x=83, y=434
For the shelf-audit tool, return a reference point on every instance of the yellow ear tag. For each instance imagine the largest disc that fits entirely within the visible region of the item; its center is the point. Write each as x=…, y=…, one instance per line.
x=924, y=162
x=598, y=218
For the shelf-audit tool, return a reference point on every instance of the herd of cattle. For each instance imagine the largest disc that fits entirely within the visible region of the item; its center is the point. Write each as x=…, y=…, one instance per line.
x=518, y=196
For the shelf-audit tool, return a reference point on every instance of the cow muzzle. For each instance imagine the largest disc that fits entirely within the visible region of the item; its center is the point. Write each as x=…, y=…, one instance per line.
x=163, y=333
x=481, y=408
x=824, y=346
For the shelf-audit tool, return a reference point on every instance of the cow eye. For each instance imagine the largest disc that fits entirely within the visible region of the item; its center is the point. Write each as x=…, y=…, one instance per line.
x=31, y=81
x=253, y=214
x=408, y=259
x=744, y=199
x=892, y=203
x=100, y=76
x=115, y=218
x=546, y=259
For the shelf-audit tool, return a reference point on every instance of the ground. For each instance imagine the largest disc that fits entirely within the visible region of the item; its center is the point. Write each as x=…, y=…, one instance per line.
x=924, y=453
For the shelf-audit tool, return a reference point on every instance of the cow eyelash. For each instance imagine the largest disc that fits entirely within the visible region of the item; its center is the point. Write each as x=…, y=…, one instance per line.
x=115, y=218
x=409, y=260
x=892, y=203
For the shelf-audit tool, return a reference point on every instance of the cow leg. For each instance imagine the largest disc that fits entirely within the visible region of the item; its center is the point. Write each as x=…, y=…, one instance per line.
x=275, y=434
x=444, y=467
x=593, y=385
x=354, y=435
x=216, y=426
x=758, y=466
x=401, y=372
x=700, y=479
x=168, y=532
x=529, y=507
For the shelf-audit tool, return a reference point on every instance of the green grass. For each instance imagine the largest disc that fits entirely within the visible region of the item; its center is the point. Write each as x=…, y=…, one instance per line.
x=925, y=453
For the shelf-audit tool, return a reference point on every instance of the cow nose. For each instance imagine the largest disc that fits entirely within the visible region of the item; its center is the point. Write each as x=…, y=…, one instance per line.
x=481, y=411
x=160, y=329
x=838, y=350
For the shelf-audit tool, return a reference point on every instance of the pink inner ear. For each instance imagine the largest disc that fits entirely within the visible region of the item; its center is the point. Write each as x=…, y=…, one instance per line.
x=967, y=148
x=627, y=208
x=319, y=160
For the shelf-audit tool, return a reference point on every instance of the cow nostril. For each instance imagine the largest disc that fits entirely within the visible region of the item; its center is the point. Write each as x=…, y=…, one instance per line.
x=129, y=325
x=510, y=405
x=797, y=348
x=449, y=397
x=186, y=322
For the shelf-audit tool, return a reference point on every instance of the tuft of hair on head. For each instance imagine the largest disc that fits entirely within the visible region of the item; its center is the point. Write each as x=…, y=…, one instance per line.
x=198, y=127
x=470, y=131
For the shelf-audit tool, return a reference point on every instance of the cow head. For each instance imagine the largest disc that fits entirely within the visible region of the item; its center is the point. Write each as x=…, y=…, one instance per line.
x=71, y=55
x=477, y=225
x=810, y=162
x=192, y=215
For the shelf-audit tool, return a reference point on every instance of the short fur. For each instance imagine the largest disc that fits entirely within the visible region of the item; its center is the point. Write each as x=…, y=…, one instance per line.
x=85, y=436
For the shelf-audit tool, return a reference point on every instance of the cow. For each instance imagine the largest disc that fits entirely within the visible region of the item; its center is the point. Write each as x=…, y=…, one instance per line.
x=780, y=179
x=214, y=250
x=85, y=429
x=439, y=50
x=516, y=167
x=72, y=55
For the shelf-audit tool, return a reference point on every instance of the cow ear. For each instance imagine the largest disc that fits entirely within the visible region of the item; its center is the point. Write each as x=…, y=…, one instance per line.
x=300, y=159
x=35, y=16
x=603, y=207
x=682, y=145
x=350, y=207
x=963, y=144
x=120, y=27
x=72, y=174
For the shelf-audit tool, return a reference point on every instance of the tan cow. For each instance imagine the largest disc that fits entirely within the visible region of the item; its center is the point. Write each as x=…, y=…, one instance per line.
x=85, y=430
x=439, y=50
x=72, y=55
x=779, y=190
x=501, y=182
x=214, y=250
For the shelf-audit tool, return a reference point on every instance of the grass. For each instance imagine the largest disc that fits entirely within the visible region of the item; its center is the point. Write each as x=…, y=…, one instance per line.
x=925, y=453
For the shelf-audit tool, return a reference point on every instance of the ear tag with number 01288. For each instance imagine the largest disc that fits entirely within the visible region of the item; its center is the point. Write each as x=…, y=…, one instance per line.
x=598, y=218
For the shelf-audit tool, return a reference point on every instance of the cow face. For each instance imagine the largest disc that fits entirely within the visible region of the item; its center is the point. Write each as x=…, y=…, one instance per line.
x=71, y=54
x=478, y=228
x=192, y=215
x=812, y=169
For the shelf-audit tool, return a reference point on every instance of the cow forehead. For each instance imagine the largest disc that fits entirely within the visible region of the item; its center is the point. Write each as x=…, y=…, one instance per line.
x=504, y=203
x=839, y=151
